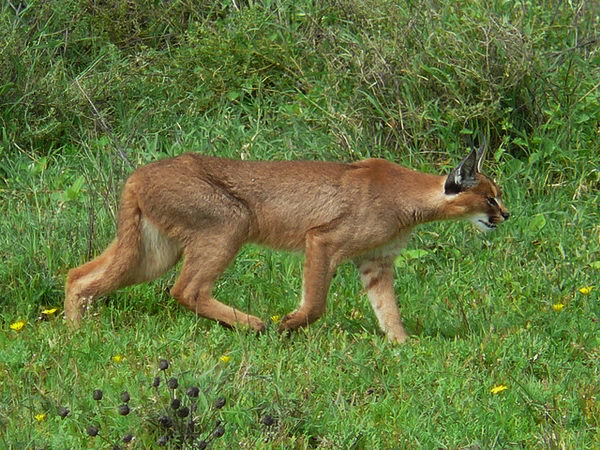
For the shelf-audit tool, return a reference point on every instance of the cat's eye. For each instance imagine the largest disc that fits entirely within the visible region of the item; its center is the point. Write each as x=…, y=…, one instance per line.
x=492, y=201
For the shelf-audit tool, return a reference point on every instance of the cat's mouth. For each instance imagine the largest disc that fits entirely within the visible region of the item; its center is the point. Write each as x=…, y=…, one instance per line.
x=483, y=222
x=488, y=225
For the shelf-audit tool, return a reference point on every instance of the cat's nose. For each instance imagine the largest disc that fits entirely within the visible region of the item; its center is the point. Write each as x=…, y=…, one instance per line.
x=506, y=215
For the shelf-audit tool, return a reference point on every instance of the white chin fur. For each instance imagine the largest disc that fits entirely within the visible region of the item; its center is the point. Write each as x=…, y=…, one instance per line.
x=481, y=222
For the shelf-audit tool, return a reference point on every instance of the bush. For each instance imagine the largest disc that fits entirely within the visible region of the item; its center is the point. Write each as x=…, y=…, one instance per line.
x=371, y=74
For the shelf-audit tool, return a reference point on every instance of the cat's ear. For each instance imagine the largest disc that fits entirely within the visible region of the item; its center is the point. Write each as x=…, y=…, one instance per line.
x=463, y=176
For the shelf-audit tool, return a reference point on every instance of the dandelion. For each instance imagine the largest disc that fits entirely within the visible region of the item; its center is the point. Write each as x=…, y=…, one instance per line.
x=225, y=359
x=165, y=421
x=219, y=403
x=276, y=319
x=267, y=420
x=118, y=358
x=193, y=391
x=499, y=388
x=558, y=307
x=163, y=364
x=49, y=312
x=40, y=417
x=219, y=431
x=586, y=290
x=17, y=326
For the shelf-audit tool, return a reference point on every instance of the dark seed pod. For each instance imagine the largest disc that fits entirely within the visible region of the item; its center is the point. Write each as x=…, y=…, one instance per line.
x=175, y=403
x=172, y=383
x=163, y=364
x=201, y=445
x=125, y=396
x=162, y=441
x=128, y=438
x=97, y=395
x=219, y=403
x=219, y=431
x=124, y=409
x=165, y=421
x=267, y=420
x=193, y=392
x=183, y=412
x=156, y=382
x=63, y=412
x=92, y=430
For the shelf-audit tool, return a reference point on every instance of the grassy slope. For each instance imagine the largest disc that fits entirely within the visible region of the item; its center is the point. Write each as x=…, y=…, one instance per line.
x=342, y=81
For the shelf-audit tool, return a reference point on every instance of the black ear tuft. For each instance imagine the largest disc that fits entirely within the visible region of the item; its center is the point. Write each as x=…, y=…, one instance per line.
x=463, y=176
x=481, y=152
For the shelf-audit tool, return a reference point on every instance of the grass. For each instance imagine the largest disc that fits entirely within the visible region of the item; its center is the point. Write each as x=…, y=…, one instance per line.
x=82, y=102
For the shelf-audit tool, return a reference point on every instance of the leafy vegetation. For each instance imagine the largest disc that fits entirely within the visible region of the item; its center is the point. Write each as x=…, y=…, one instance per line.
x=505, y=344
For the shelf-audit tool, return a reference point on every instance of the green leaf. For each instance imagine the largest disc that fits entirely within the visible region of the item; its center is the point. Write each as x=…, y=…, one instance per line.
x=103, y=141
x=534, y=157
x=410, y=254
x=415, y=253
x=233, y=95
x=519, y=141
x=72, y=193
x=537, y=223
x=400, y=262
x=498, y=153
x=595, y=265
x=39, y=166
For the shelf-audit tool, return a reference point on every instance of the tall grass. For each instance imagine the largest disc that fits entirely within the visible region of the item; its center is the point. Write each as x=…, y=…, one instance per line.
x=409, y=75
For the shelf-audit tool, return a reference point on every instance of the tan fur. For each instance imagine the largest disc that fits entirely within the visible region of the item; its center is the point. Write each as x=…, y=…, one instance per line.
x=206, y=208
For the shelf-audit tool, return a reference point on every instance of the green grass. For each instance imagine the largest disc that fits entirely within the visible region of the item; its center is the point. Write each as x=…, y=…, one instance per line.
x=328, y=81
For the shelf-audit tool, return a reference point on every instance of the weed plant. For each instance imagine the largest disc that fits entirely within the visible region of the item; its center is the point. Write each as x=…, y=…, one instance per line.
x=172, y=418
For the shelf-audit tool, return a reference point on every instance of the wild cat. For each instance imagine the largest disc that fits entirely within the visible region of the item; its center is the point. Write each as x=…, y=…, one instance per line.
x=204, y=209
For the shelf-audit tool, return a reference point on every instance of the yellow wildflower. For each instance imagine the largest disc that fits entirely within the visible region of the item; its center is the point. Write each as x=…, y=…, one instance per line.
x=118, y=358
x=225, y=359
x=49, y=312
x=558, y=307
x=586, y=290
x=276, y=319
x=499, y=388
x=40, y=417
x=356, y=314
x=17, y=326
